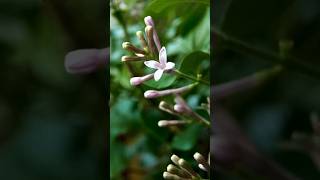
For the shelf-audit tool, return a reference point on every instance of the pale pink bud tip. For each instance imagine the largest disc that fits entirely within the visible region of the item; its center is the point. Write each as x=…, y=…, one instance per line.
x=178, y=108
x=148, y=21
x=202, y=167
x=135, y=81
x=125, y=45
x=174, y=158
x=85, y=60
x=151, y=94
x=197, y=156
x=162, y=123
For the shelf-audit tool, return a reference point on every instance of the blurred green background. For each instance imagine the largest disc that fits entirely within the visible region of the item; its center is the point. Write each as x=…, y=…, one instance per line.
x=52, y=124
x=270, y=113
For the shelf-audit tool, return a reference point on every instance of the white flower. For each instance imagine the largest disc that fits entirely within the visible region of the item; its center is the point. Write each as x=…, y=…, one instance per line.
x=161, y=66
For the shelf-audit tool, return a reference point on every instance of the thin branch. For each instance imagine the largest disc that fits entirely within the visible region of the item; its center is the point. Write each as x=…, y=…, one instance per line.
x=290, y=62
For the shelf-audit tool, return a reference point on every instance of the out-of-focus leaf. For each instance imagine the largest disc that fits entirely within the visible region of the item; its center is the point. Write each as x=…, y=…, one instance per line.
x=159, y=5
x=118, y=159
x=192, y=63
x=186, y=139
x=191, y=19
x=197, y=39
x=165, y=81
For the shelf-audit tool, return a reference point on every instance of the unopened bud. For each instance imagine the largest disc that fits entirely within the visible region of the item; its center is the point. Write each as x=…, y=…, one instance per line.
x=132, y=58
x=130, y=47
x=202, y=167
x=163, y=105
x=165, y=123
x=151, y=94
x=166, y=107
x=142, y=39
x=84, y=61
x=149, y=33
x=185, y=165
x=154, y=94
x=175, y=159
x=149, y=22
x=169, y=176
x=134, y=81
x=179, y=108
x=176, y=171
x=201, y=160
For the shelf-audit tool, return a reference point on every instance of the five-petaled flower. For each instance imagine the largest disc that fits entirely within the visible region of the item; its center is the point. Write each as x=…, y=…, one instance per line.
x=161, y=66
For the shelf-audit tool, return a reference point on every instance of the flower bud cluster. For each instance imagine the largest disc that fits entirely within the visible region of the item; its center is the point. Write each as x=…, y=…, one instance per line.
x=181, y=169
x=180, y=109
x=150, y=49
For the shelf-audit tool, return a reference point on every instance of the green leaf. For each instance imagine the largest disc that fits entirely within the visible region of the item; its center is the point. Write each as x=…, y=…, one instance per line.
x=165, y=81
x=187, y=139
x=197, y=39
x=192, y=63
x=191, y=19
x=160, y=5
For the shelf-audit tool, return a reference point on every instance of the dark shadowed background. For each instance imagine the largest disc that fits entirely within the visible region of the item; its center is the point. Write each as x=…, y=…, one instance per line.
x=252, y=36
x=53, y=125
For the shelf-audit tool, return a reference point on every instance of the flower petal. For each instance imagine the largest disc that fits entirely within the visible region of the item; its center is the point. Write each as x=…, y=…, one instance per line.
x=169, y=65
x=152, y=64
x=163, y=56
x=158, y=74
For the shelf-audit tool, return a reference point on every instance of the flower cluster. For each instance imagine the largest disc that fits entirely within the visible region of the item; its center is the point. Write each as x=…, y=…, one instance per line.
x=154, y=56
x=181, y=169
x=183, y=111
x=148, y=53
x=151, y=48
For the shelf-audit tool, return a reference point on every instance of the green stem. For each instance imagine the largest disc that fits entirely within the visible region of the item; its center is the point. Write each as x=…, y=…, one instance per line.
x=201, y=119
x=191, y=77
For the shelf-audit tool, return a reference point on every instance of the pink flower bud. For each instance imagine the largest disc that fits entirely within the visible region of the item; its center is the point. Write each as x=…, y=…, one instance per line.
x=151, y=94
x=179, y=108
x=85, y=60
x=148, y=21
x=134, y=81
x=165, y=123
x=132, y=58
x=130, y=47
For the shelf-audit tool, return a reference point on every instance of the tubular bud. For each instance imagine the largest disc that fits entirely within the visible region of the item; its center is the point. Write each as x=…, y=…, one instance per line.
x=151, y=94
x=202, y=167
x=185, y=165
x=179, y=108
x=149, y=33
x=142, y=39
x=85, y=61
x=130, y=47
x=201, y=160
x=132, y=58
x=179, y=172
x=165, y=123
x=154, y=94
x=134, y=81
x=175, y=159
x=166, y=107
x=169, y=176
x=149, y=22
